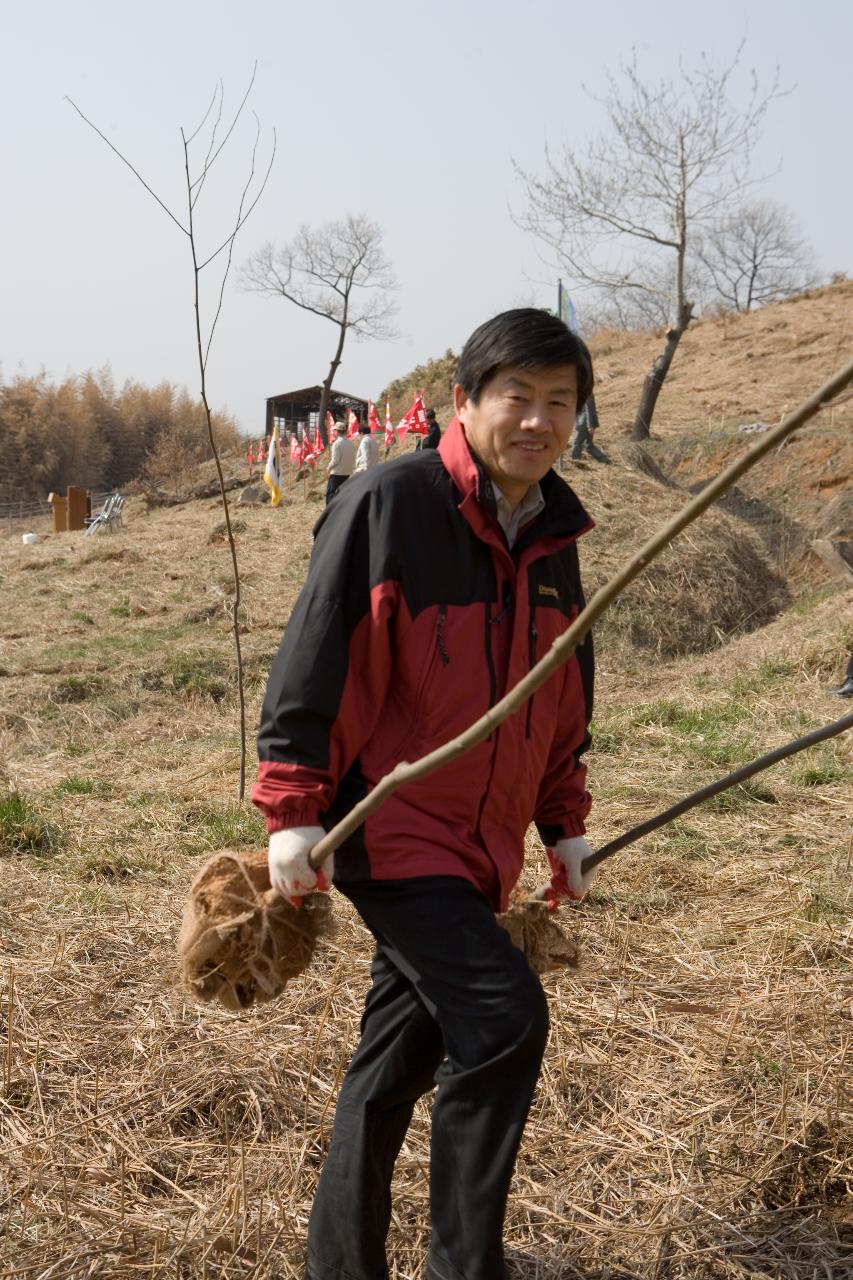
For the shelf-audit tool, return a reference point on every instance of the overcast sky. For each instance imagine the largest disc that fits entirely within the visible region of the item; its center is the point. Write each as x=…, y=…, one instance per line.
x=410, y=113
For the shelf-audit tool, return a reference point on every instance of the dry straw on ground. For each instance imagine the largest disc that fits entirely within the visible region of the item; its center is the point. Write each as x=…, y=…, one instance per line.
x=694, y=1118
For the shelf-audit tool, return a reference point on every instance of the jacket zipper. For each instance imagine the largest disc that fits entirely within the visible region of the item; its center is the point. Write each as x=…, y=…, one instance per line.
x=440, y=638
x=532, y=637
x=505, y=605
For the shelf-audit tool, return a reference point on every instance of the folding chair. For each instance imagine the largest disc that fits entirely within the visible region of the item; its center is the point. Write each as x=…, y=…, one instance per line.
x=109, y=516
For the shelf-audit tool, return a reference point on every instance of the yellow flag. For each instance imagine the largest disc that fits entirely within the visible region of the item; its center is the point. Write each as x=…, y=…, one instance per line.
x=272, y=471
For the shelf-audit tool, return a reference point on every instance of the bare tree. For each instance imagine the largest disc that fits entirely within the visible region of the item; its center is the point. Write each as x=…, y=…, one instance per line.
x=673, y=157
x=754, y=255
x=338, y=271
x=210, y=138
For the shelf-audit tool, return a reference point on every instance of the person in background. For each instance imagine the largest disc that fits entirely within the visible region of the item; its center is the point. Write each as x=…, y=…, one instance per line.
x=341, y=461
x=368, y=448
x=432, y=439
x=583, y=436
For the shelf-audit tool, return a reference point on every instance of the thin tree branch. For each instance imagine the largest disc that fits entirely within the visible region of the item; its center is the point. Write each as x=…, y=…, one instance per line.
x=245, y=216
x=198, y=130
x=205, y=167
x=712, y=789
x=239, y=223
x=125, y=161
x=833, y=404
x=208, y=164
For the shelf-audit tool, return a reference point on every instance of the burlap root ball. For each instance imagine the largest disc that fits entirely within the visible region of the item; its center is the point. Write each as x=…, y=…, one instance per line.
x=533, y=928
x=241, y=943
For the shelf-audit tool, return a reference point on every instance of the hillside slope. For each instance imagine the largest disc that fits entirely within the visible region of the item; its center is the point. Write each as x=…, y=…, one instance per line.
x=730, y=370
x=734, y=371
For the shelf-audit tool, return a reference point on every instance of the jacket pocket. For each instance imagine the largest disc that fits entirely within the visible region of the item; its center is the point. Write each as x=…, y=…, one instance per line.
x=438, y=659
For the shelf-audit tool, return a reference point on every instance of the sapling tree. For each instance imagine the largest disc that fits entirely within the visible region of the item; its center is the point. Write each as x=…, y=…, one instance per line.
x=200, y=150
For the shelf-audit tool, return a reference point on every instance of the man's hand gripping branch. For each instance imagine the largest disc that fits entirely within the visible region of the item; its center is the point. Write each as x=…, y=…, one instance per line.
x=567, y=879
x=290, y=872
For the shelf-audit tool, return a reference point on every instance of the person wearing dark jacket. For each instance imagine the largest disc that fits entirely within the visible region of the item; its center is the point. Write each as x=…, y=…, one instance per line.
x=397, y=643
x=432, y=439
x=583, y=438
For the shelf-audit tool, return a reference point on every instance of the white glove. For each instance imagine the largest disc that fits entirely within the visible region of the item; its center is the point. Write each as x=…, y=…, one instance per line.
x=290, y=872
x=567, y=879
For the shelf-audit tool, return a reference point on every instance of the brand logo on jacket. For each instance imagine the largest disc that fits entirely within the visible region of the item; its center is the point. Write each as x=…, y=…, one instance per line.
x=549, y=591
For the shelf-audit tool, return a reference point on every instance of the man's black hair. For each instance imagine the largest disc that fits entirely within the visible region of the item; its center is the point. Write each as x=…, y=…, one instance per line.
x=528, y=338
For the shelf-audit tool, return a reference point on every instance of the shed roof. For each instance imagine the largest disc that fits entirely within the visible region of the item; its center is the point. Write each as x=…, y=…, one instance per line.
x=310, y=392
x=295, y=406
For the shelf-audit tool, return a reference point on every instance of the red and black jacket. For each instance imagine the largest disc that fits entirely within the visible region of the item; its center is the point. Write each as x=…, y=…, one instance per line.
x=415, y=618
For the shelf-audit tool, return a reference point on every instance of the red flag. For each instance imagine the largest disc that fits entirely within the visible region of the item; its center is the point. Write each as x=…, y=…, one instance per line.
x=330, y=424
x=295, y=451
x=415, y=420
x=373, y=419
x=352, y=424
x=420, y=427
x=390, y=433
x=318, y=441
x=261, y=455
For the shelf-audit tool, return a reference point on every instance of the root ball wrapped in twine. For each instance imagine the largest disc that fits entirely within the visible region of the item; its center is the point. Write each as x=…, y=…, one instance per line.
x=241, y=942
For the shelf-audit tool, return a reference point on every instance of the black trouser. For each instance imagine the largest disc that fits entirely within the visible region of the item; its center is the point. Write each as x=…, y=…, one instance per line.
x=334, y=483
x=453, y=1002
x=583, y=438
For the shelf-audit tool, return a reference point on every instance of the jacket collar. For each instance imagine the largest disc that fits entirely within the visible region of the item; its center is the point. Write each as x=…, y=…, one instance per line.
x=563, y=518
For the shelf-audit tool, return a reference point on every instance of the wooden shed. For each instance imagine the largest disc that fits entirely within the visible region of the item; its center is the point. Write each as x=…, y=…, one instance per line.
x=294, y=407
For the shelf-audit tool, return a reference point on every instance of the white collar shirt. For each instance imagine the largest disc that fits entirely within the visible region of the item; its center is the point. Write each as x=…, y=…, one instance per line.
x=512, y=519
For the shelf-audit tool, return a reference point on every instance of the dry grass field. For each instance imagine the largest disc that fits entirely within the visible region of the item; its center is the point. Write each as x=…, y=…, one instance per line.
x=694, y=1117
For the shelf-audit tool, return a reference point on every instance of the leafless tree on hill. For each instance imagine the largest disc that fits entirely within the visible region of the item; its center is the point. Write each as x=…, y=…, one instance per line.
x=339, y=272
x=201, y=150
x=755, y=254
x=674, y=157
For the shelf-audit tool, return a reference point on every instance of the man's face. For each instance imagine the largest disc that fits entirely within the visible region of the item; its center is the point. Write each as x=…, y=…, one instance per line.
x=522, y=424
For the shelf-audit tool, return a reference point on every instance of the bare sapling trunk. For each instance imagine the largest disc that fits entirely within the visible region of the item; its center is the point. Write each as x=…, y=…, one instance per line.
x=235, y=601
